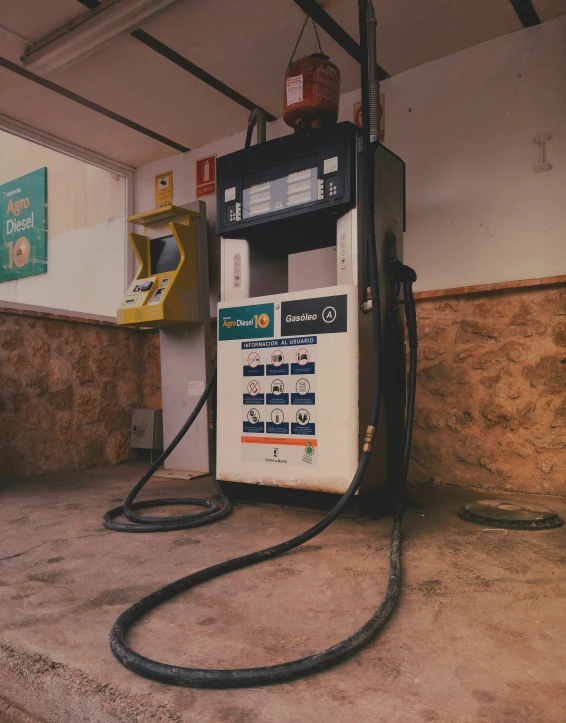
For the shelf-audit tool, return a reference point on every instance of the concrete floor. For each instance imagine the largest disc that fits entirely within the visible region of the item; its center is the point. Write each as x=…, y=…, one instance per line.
x=478, y=635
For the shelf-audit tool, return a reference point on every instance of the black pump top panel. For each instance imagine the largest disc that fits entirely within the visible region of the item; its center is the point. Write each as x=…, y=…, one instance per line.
x=286, y=178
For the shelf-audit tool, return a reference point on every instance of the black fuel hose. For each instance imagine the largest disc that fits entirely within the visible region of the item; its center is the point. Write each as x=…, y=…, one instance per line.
x=143, y=523
x=266, y=675
x=146, y=523
x=252, y=120
x=406, y=276
x=244, y=677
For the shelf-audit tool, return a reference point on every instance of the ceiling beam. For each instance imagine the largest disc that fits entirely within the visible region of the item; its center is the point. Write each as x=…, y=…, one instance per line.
x=4, y=63
x=164, y=50
x=336, y=32
x=199, y=73
x=90, y=4
x=526, y=13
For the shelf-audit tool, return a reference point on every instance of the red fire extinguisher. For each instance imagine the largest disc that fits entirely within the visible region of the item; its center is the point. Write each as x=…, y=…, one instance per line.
x=312, y=90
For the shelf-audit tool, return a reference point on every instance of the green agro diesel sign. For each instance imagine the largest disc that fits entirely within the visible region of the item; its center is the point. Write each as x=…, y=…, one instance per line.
x=23, y=224
x=245, y=322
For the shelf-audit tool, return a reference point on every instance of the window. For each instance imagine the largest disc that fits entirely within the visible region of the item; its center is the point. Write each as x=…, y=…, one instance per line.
x=63, y=230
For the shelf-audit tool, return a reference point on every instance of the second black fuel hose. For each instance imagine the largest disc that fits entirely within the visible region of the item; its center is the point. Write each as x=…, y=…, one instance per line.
x=213, y=512
x=245, y=677
x=146, y=523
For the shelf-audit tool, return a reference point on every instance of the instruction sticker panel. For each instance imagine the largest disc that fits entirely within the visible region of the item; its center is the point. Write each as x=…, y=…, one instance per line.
x=279, y=399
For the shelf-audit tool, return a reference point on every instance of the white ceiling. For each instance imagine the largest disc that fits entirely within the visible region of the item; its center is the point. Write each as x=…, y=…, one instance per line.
x=244, y=43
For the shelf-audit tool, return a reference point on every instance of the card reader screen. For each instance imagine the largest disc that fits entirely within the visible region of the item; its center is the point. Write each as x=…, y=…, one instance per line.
x=291, y=190
x=164, y=254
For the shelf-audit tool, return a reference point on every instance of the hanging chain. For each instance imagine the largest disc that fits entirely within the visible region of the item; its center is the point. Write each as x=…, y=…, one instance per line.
x=299, y=39
x=317, y=38
x=301, y=35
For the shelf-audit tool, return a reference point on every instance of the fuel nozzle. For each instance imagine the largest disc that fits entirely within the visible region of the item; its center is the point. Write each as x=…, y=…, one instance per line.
x=407, y=276
x=402, y=273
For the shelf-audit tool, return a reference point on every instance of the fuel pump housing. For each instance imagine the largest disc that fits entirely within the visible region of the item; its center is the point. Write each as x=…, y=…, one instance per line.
x=295, y=361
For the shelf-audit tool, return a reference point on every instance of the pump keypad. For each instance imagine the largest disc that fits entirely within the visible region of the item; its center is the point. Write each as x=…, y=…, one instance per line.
x=231, y=213
x=330, y=186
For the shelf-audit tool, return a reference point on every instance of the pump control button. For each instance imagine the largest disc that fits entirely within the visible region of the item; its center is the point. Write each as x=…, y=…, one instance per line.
x=330, y=165
x=231, y=214
x=330, y=186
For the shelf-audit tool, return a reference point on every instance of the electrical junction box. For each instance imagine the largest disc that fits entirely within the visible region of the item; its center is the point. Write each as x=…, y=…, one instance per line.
x=288, y=389
x=146, y=431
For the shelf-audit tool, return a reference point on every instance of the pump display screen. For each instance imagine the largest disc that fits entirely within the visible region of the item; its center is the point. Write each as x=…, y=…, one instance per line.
x=164, y=254
x=291, y=190
x=310, y=176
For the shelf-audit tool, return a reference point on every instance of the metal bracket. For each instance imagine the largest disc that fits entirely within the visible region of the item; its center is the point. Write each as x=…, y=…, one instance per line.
x=543, y=165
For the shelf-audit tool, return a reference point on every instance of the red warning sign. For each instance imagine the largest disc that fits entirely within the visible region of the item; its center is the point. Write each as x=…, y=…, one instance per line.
x=253, y=387
x=253, y=359
x=206, y=176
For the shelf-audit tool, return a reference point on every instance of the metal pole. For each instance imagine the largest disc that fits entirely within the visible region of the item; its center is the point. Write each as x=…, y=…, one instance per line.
x=374, y=134
x=261, y=127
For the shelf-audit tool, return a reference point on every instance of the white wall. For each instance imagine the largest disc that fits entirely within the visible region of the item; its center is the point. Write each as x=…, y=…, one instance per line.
x=86, y=238
x=477, y=211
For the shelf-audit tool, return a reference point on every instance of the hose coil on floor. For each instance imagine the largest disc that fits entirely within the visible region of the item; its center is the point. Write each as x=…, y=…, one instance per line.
x=213, y=513
x=143, y=523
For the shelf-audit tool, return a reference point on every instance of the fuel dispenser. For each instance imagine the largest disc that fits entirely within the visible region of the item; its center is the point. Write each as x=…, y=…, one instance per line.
x=310, y=375
x=294, y=321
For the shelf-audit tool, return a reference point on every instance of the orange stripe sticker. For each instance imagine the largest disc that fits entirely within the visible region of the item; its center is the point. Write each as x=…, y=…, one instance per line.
x=279, y=440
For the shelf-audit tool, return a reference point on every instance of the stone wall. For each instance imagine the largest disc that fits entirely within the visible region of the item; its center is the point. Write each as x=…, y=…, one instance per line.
x=67, y=390
x=491, y=396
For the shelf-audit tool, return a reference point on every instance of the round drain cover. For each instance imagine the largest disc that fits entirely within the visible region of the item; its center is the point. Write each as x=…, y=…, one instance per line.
x=512, y=515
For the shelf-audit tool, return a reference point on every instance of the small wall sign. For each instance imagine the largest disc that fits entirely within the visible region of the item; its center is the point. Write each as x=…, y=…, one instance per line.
x=206, y=176
x=23, y=226
x=164, y=189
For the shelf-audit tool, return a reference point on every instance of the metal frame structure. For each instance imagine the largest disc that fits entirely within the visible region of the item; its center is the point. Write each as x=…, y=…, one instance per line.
x=524, y=9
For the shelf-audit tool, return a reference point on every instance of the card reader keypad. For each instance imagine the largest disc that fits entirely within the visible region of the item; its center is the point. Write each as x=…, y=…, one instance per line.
x=330, y=186
x=230, y=212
